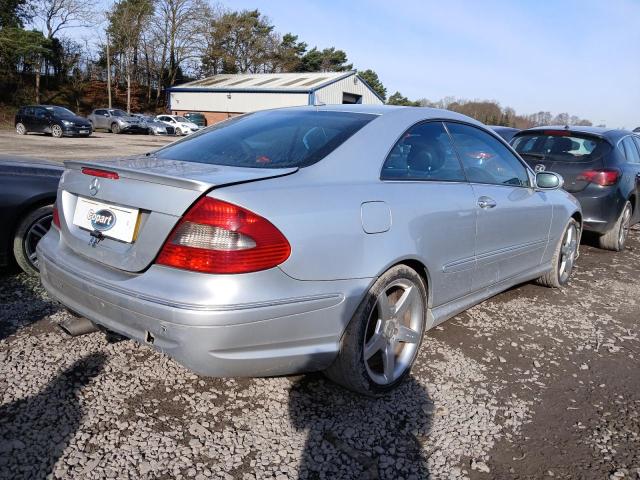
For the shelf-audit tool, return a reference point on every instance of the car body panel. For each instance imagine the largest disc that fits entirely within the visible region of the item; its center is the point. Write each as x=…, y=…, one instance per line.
x=24, y=186
x=291, y=318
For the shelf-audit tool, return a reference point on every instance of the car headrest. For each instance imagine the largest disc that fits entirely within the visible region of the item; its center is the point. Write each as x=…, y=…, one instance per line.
x=426, y=157
x=562, y=145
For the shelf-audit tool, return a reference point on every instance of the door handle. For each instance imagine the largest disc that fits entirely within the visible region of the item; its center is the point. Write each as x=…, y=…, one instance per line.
x=486, y=202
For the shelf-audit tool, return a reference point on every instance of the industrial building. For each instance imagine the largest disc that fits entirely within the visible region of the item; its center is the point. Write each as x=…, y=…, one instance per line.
x=222, y=96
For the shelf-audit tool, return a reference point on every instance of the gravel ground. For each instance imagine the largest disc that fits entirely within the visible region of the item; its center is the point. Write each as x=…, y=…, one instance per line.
x=99, y=145
x=533, y=383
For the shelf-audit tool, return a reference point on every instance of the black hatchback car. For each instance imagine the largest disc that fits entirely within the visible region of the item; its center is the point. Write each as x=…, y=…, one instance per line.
x=601, y=168
x=51, y=119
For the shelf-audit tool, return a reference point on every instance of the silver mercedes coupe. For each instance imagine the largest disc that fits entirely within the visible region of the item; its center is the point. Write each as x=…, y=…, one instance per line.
x=314, y=238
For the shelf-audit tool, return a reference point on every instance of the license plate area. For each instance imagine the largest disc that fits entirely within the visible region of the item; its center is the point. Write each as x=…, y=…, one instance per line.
x=112, y=221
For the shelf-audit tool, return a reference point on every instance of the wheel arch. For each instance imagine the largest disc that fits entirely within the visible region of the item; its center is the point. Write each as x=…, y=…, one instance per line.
x=415, y=264
x=29, y=206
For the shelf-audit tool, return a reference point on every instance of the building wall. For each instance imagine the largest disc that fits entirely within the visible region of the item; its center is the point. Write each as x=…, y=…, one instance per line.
x=332, y=94
x=238, y=101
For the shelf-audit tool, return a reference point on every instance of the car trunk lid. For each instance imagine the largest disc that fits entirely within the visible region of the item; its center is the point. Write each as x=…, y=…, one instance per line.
x=154, y=193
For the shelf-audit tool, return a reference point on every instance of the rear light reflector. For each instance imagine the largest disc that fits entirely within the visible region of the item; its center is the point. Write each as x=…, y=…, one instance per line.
x=219, y=237
x=605, y=177
x=56, y=216
x=96, y=172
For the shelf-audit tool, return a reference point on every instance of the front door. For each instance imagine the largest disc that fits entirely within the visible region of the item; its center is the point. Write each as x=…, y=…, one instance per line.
x=634, y=167
x=427, y=190
x=513, y=219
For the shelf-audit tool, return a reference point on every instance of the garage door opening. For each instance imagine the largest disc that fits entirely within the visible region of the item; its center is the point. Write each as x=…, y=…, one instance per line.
x=350, y=98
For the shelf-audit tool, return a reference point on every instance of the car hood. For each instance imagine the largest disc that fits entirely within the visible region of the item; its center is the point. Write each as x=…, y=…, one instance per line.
x=76, y=119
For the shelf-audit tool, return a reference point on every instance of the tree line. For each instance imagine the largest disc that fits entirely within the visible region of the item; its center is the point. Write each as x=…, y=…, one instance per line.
x=490, y=112
x=138, y=48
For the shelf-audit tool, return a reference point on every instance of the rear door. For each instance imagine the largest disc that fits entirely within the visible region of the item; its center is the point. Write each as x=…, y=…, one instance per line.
x=513, y=219
x=40, y=120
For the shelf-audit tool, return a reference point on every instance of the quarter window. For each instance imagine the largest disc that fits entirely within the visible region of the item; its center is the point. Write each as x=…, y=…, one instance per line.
x=424, y=152
x=486, y=159
x=630, y=150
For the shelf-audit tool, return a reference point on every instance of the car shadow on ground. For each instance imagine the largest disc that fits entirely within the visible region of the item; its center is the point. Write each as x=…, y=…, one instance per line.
x=22, y=304
x=35, y=431
x=352, y=436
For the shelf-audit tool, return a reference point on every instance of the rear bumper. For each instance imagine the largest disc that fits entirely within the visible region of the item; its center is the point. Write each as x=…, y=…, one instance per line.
x=601, y=207
x=297, y=329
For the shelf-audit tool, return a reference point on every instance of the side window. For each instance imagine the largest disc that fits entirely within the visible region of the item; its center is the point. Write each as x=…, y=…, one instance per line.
x=100, y=112
x=485, y=159
x=423, y=153
x=40, y=113
x=630, y=150
x=637, y=141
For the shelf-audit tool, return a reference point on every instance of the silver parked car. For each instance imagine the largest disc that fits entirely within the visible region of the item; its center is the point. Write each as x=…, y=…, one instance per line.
x=116, y=121
x=154, y=126
x=313, y=238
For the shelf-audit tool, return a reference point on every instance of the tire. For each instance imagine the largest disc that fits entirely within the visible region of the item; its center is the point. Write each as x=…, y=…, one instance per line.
x=30, y=231
x=115, y=128
x=616, y=238
x=383, y=337
x=56, y=131
x=21, y=129
x=178, y=132
x=564, y=257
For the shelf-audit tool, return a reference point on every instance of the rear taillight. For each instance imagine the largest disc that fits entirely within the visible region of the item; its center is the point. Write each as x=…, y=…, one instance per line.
x=56, y=216
x=604, y=177
x=218, y=237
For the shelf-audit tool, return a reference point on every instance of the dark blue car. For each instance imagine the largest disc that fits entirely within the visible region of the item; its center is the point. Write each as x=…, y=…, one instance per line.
x=27, y=192
x=601, y=168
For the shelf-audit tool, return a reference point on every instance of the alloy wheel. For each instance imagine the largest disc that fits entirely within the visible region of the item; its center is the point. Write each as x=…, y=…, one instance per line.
x=56, y=131
x=36, y=231
x=20, y=129
x=624, y=226
x=568, y=253
x=394, y=330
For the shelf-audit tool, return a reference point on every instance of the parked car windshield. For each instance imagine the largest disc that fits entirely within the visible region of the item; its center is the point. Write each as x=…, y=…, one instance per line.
x=560, y=146
x=180, y=119
x=271, y=139
x=60, y=111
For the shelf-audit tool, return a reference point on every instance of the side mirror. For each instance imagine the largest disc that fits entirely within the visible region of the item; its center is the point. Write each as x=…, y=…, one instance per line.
x=548, y=181
x=105, y=114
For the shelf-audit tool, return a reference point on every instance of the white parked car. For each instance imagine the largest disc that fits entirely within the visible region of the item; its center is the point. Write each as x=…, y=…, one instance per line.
x=181, y=124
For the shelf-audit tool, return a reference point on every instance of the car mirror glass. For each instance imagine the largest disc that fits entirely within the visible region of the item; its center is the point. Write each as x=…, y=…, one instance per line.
x=548, y=181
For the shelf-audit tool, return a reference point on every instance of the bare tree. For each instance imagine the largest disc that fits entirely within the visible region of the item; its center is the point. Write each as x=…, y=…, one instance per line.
x=126, y=21
x=57, y=15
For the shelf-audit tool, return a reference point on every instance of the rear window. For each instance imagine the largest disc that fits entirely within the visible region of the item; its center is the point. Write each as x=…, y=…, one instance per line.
x=271, y=139
x=560, y=147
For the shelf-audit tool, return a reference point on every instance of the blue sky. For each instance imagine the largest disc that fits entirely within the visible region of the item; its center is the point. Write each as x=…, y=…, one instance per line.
x=580, y=57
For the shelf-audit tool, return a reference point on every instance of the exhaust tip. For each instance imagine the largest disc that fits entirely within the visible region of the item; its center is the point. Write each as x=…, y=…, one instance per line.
x=76, y=326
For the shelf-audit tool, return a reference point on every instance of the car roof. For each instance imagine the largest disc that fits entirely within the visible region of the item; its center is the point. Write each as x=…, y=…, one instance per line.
x=611, y=134
x=408, y=114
